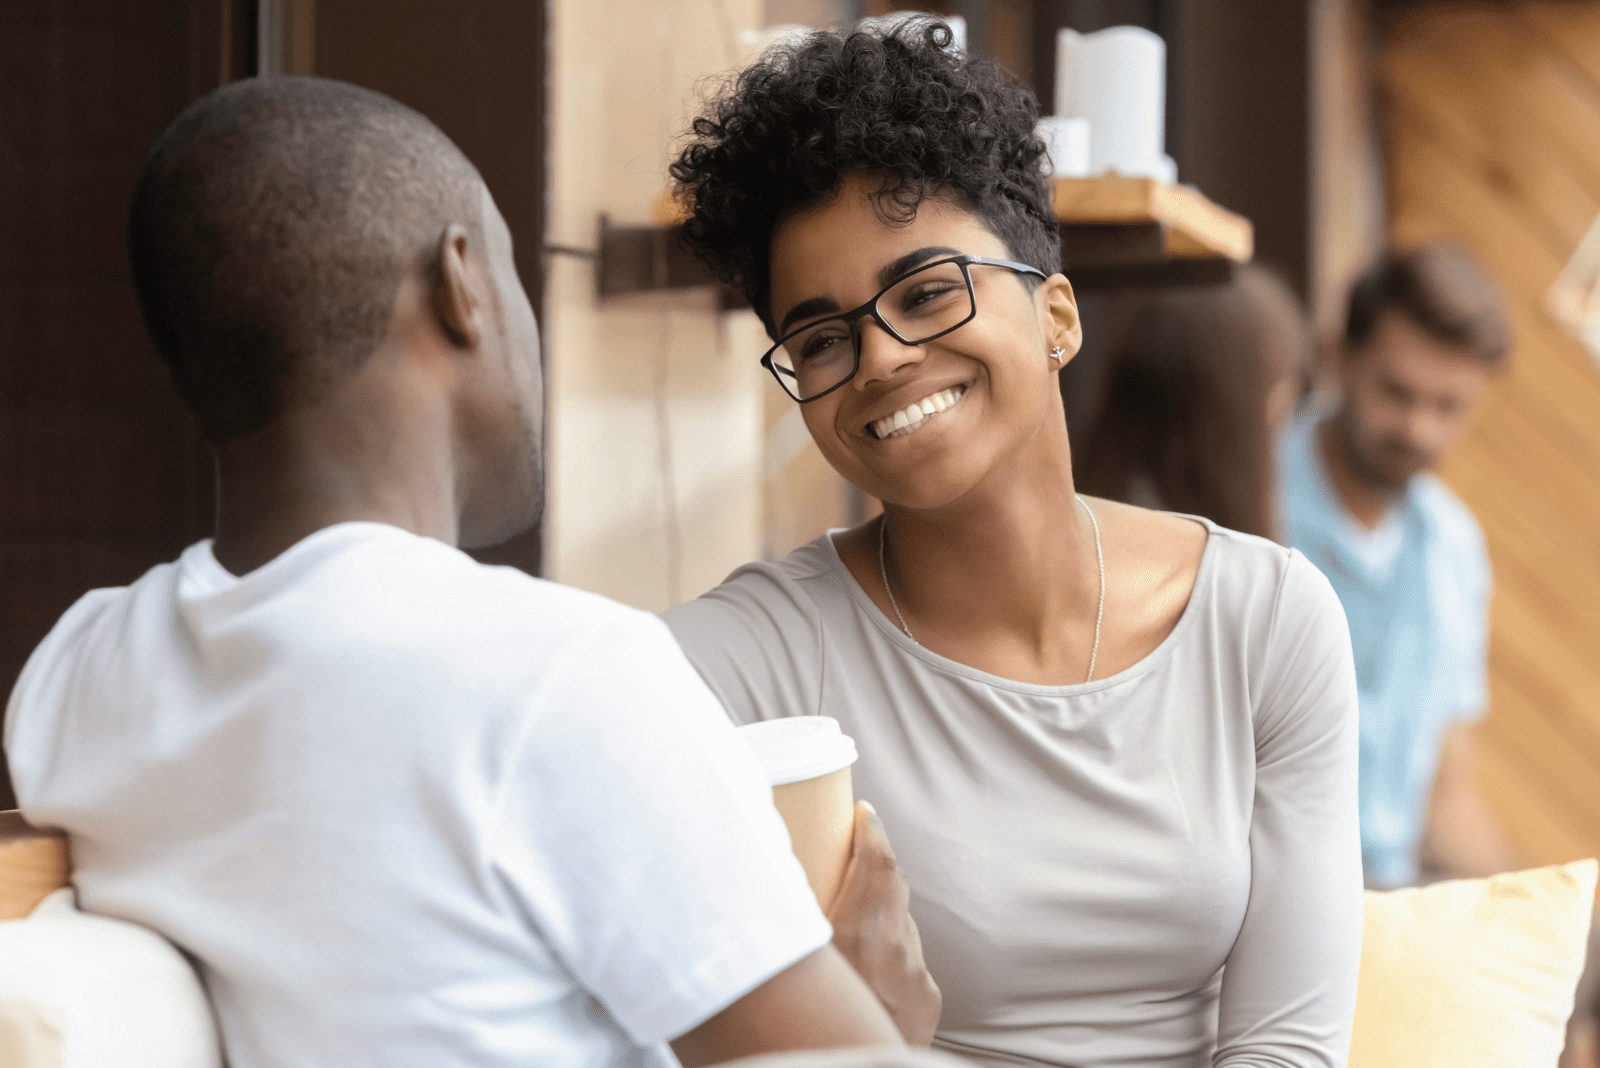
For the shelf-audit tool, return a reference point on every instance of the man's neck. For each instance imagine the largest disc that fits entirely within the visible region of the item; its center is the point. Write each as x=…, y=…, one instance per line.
x=365, y=456
x=1366, y=503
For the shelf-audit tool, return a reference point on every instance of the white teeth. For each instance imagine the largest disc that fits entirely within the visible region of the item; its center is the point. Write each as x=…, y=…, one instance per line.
x=912, y=415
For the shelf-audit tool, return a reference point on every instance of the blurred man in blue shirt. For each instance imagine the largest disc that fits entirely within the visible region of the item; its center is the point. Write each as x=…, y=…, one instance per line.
x=1426, y=329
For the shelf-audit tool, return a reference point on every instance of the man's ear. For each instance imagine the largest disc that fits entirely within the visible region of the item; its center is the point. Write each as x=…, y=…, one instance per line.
x=1063, y=327
x=456, y=297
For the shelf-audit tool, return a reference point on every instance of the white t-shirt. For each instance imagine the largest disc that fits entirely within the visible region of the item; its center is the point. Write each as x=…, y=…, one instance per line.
x=405, y=809
x=1377, y=547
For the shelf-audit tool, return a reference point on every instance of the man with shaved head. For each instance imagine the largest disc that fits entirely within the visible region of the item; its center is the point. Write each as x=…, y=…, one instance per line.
x=400, y=808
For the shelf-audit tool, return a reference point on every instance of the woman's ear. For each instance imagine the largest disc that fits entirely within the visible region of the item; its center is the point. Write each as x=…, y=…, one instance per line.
x=456, y=298
x=1063, y=330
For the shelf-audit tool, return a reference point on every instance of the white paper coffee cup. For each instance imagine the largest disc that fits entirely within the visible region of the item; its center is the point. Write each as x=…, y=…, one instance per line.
x=807, y=760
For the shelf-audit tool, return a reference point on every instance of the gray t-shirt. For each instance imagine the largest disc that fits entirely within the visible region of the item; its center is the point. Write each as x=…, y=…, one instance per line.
x=1084, y=860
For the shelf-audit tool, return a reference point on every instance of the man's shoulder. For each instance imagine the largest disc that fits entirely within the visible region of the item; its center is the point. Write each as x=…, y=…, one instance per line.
x=75, y=651
x=571, y=614
x=100, y=610
x=430, y=582
x=1448, y=518
x=509, y=633
x=1294, y=438
x=1302, y=490
x=516, y=589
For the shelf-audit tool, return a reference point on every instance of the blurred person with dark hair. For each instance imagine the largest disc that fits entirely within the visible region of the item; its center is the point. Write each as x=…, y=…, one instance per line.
x=402, y=808
x=1117, y=747
x=1426, y=330
x=1194, y=393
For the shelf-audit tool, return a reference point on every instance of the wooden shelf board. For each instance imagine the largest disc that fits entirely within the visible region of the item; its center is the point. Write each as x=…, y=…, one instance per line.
x=1194, y=226
x=1115, y=232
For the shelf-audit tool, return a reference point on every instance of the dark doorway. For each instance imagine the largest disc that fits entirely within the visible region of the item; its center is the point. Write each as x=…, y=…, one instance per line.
x=105, y=475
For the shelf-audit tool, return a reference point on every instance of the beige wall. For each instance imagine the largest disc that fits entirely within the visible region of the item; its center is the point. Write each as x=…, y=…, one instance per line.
x=672, y=458
x=655, y=423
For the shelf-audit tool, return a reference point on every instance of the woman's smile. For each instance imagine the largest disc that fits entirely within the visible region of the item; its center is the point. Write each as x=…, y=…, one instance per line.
x=916, y=415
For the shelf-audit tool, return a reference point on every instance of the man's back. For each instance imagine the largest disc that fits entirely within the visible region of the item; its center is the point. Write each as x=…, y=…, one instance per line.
x=405, y=809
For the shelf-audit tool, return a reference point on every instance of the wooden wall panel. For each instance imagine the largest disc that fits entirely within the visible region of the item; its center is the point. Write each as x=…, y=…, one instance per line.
x=1492, y=129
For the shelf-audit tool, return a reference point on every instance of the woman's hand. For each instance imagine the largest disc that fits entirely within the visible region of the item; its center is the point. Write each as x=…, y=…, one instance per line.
x=873, y=928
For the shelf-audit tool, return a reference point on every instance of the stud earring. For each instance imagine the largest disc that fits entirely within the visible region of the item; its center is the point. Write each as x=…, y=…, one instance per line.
x=1058, y=353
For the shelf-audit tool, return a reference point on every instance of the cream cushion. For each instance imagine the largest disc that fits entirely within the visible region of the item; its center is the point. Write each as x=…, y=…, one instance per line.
x=1477, y=973
x=82, y=991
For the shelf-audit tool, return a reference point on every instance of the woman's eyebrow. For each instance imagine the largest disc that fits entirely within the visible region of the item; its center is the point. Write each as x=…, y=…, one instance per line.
x=888, y=274
x=806, y=309
x=891, y=272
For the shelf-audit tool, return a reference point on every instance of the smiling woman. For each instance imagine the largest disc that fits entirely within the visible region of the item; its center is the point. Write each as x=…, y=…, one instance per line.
x=1084, y=856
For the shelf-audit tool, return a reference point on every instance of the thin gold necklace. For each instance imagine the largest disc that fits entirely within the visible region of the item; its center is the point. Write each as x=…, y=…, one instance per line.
x=1099, y=555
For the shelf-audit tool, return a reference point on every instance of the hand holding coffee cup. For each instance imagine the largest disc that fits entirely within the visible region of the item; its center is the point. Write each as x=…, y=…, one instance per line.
x=873, y=928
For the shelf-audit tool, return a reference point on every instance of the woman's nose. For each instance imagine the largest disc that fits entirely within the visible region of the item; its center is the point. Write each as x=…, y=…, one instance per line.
x=882, y=354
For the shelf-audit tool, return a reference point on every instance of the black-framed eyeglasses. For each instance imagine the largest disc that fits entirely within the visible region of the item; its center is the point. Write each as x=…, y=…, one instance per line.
x=818, y=357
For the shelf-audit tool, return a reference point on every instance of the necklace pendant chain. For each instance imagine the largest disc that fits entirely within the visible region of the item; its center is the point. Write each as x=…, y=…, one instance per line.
x=883, y=572
x=1100, y=560
x=1100, y=610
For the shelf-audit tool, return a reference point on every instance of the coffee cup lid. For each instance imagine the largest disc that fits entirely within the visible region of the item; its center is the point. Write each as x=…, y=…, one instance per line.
x=799, y=747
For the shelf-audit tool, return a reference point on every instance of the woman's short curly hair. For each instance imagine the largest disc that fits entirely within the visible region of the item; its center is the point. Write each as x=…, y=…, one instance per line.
x=903, y=105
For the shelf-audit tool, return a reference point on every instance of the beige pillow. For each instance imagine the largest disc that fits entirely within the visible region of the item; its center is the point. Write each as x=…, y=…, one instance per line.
x=82, y=991
x=1477, y=973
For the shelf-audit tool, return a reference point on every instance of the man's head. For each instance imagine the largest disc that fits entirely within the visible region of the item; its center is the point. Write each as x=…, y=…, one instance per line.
x=1426, y=328
x=275, y=223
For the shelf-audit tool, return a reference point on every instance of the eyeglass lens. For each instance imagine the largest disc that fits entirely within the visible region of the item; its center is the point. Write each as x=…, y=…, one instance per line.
x=821, y=355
